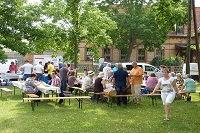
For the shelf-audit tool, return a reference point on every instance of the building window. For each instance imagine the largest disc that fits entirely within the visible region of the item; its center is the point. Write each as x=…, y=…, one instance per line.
x=159, y=52
x=89, y=54
x=123, y=54
x=107, y=54
x=179, y=30
x=141, y=54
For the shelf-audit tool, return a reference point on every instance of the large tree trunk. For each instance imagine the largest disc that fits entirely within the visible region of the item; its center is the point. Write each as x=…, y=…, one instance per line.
x=188, y=39
x=130, y=48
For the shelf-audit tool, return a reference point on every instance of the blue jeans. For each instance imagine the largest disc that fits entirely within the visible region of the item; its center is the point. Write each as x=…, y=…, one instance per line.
x=144, y=91
x=26, y=76
x=39, y=76
x=91, y=90
x=45, y=79
x=121, y=90
x=63, y=87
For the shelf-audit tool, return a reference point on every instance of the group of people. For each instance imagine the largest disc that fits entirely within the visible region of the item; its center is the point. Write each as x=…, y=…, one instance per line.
x=34, y=76
x=171, y=84
x=99, y=83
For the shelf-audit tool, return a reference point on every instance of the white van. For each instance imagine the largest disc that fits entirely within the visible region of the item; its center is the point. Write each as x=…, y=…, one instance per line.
x=146, y=67
x=193, y=71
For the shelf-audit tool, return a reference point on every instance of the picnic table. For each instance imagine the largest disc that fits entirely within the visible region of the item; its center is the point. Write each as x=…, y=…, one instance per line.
x=45, y=88
x=19, y=84
x=8, y=76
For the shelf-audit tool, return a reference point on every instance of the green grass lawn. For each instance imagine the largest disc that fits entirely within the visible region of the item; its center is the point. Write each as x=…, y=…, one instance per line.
x=17, y=117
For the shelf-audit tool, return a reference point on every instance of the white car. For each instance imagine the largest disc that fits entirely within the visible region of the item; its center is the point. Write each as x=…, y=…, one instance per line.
x=146, y=67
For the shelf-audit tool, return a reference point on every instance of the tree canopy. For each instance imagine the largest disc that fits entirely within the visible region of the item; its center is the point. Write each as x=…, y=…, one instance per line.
x=170, y=12
x=70, y=22
x=14, y=22
x=136, y=25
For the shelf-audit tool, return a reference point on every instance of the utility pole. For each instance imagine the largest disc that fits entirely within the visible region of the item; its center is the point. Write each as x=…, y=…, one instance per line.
x=188, y=38
x=196, y=36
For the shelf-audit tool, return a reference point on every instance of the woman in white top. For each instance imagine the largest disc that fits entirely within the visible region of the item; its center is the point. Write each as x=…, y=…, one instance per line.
x=169, y=90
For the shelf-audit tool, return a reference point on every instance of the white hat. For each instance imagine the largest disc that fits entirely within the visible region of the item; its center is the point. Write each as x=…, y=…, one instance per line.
x=90, y=73
x=101, y=75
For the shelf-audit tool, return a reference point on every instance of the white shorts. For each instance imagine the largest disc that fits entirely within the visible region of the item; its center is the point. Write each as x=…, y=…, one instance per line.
x=168, y=97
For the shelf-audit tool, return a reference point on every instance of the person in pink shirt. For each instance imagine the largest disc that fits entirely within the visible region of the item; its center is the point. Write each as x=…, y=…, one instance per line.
x=150, y=84
x=13, y=68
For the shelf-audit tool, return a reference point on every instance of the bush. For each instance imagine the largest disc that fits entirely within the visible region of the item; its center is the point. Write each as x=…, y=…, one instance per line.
x=171, y=61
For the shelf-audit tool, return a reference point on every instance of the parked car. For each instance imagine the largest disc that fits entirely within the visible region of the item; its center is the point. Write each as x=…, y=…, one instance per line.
x=102, y=65
x=193, y=71
x=146, y=67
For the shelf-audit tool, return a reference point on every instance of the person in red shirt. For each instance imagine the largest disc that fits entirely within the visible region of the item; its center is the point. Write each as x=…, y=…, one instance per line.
x=13, y=68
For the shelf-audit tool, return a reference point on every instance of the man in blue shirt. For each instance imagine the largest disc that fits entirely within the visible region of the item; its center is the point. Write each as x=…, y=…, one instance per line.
x=120, y=81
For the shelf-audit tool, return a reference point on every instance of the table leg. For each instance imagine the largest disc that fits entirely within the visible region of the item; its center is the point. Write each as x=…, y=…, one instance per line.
x=32, y=105
x=153, y=99
x=14, y=90
x=23, y=96
x=81, y=101
x=79, y=104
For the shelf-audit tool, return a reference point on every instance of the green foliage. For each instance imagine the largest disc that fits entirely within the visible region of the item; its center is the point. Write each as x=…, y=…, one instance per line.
x=3, y=56
x=53, y=25
x=170, y=12
x=136, y=25
x=171, y=61
x=77, y=21
x=14, y=24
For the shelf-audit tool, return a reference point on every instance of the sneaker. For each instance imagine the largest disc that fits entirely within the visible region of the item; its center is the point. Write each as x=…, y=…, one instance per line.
x=60, y=102
x=135, y=103
x=166, y=119
x=189, y=99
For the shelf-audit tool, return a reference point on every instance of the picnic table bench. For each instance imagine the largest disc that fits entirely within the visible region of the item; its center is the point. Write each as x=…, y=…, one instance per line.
x=198, y=92
x=153, y=97
x=81, y=91
x=78, y=98
x=6, y=90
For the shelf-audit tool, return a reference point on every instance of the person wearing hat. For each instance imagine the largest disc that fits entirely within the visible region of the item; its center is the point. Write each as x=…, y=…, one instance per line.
x=88, y=83
x=99, y=84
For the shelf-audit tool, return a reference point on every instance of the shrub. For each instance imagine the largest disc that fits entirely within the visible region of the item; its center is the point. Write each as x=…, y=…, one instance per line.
x=171, y=61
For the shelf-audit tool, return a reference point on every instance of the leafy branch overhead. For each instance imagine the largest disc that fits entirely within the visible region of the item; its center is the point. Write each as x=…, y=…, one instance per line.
x=53, y=25
x=170, y=12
